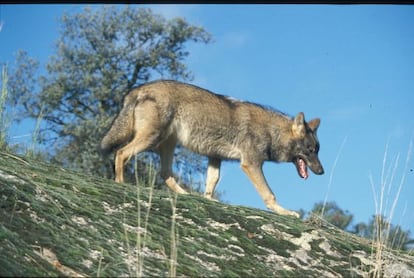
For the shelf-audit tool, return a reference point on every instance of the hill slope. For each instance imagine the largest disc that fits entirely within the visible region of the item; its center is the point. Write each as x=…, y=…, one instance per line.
x=58, y=222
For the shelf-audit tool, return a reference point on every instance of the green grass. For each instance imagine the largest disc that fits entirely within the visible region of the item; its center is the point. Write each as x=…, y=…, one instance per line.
x=96, y=227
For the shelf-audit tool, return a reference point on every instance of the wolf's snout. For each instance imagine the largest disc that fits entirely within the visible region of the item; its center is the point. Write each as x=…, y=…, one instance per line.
x=319, y=170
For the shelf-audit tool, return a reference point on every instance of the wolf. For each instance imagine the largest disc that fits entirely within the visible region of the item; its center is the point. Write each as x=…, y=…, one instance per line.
x=158, y=115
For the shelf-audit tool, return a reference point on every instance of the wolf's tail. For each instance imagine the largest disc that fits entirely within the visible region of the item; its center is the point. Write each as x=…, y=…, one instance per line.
x=121, y=131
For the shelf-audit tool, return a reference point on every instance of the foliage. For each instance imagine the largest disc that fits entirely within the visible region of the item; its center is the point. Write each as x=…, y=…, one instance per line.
x=100, y=55
x=377, y=229
x=380, y=229
x=333, y=214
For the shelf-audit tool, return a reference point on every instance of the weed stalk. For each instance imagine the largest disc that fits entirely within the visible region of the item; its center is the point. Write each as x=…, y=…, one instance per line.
x=4, y=123
x=384, y=214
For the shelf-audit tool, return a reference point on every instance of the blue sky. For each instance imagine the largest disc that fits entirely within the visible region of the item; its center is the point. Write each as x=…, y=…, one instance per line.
x=350, y=65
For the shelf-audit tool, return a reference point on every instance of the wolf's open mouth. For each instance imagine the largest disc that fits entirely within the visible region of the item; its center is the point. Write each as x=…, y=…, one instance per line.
x=301, y=167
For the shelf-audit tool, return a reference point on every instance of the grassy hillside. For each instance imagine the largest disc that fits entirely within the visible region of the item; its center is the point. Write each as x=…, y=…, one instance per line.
x=56, y=222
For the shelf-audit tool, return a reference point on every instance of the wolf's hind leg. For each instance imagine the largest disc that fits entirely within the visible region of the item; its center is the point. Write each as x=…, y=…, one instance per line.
x=140, y=143
x=255, y=174
x=213, y=175
x=166, y=151
x=147, y=132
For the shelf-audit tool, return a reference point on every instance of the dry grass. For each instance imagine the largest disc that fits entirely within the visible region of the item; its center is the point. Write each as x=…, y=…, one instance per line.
x=173, y=237
x=4, y=121
x=136, y=254
x=332, y=174
x=386, y=200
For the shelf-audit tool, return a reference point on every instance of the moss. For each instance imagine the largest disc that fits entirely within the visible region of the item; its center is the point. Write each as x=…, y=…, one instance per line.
x=17, y=258
x=77, y=215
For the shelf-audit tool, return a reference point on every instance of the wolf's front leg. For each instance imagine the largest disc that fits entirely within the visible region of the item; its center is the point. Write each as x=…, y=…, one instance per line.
x=213, y=175
x=255, y=174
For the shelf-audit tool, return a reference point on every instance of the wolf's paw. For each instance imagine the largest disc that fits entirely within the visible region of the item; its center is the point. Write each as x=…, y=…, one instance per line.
x=289, y=213
x=180, y=190
x=174, y=186
x=293, y=213
x=281, y=211
x=209, y=197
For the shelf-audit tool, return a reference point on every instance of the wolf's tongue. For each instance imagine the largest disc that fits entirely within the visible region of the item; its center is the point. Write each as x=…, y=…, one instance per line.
x=302, y=168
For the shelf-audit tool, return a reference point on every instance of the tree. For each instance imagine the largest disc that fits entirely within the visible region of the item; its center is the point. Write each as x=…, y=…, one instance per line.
x=100, y=55
x=378, y=228
x=333, y=214
x=381, y=230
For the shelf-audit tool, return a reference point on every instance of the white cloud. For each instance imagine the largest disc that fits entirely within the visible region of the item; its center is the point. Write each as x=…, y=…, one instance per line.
x=347, y=113
x=171, y=11
x=399, y=131
x=235, y=39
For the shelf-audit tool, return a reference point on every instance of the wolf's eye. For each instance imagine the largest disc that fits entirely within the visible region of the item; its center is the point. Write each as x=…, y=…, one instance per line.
x=311, y=149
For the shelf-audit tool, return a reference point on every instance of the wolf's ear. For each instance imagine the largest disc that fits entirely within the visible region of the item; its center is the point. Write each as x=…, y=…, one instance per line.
x=298, y=127
x=314, y=124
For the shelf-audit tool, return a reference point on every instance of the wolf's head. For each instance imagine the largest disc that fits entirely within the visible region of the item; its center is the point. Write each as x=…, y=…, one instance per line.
x=305, y=146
